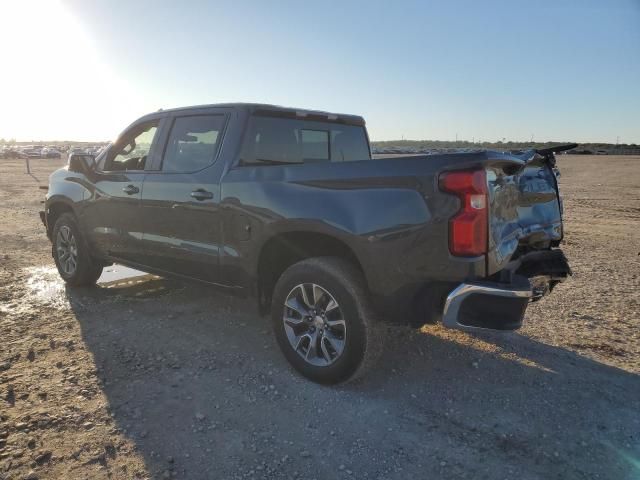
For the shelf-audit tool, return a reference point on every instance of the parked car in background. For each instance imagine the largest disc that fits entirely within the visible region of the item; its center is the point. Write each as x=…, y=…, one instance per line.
x=50, y=153
x=288, y=206
x=12, y=152
x=32, y=152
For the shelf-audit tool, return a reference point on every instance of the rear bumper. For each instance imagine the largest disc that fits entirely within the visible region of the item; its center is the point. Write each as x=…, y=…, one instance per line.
x=482, y=306
x=501, y=305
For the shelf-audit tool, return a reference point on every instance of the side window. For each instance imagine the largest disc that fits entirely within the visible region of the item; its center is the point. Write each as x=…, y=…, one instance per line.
x=130, y=152
x=193, y=143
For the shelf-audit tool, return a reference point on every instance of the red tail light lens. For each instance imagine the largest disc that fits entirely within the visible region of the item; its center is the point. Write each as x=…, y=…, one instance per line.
x=468, y=228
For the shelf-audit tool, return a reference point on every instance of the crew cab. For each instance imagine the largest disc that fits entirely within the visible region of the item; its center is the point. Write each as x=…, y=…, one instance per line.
x=288, y=206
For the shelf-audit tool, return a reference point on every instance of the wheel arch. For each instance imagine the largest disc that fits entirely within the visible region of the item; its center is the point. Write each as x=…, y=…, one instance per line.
x=56, y=206
x=284, y=249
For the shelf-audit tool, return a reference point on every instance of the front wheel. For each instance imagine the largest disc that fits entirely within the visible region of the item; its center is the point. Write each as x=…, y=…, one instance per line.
x=71, y=253
x=323, y=321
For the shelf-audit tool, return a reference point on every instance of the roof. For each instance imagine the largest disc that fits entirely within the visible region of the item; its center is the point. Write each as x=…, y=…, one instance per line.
x=277, y=110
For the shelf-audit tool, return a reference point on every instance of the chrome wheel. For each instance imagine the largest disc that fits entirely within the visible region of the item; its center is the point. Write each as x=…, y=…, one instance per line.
x=67, y=249
x=314, y=324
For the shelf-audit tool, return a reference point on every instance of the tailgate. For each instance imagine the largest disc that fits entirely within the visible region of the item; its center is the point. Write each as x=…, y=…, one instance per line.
x=525, y=210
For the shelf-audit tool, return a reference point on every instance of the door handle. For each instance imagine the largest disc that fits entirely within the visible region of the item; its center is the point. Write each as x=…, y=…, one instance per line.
x=201, y=194
x=130, y=189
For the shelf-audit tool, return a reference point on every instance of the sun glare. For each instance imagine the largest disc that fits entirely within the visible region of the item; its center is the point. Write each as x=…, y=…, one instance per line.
x=53, y=80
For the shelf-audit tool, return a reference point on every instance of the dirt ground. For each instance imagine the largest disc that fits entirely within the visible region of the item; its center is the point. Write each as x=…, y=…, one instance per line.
x=153, y=378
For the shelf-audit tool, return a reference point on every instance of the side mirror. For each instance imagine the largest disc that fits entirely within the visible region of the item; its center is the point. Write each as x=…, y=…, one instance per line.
x=81, y=162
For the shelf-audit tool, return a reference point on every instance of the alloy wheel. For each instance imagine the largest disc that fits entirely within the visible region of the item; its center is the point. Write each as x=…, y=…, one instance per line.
x=314, y=324
x=67, y=249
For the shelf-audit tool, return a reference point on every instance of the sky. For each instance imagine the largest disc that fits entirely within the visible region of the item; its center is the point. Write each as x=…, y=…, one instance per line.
x=554, y=70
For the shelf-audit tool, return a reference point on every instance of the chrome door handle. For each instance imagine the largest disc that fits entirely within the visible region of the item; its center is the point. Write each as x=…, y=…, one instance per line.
x=201, y=194
x=130, y=189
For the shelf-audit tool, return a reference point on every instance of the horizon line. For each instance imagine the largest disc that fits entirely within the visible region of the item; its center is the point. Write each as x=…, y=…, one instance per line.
x=14, y=141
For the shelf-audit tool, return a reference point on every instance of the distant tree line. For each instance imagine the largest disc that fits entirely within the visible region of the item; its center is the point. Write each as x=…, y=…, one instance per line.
x=418, y=144
x=499, y=145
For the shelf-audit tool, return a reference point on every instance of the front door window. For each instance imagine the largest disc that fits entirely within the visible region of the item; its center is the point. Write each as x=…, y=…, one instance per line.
x=131, y=152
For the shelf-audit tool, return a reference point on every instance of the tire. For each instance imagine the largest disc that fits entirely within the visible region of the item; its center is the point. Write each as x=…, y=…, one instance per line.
x=67, y=238
x=347, y=340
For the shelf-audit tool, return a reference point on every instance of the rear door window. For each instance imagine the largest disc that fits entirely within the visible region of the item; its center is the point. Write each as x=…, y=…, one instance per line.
x=193, y=143
x=281, y=141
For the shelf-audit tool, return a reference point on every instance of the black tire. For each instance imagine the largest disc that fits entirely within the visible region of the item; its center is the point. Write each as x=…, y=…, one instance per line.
x=346, y=285
x=87, y=270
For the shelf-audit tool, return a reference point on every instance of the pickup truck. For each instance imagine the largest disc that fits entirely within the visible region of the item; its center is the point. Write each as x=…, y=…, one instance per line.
x=288, y=206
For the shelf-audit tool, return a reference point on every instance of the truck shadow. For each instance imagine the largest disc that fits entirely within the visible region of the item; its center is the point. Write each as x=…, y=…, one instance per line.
x=196, y=380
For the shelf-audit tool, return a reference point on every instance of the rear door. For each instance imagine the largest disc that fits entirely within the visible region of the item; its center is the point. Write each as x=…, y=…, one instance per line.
x=112, y=216
x=181, y=197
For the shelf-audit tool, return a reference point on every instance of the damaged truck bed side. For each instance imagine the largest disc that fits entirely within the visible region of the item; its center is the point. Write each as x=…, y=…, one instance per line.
x=288, y=205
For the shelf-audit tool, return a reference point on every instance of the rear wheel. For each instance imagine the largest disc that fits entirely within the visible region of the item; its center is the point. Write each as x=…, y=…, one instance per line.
x=323, y=321
x=71, y=253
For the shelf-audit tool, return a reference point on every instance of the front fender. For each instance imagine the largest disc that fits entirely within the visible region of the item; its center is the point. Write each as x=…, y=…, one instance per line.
x=67, y=188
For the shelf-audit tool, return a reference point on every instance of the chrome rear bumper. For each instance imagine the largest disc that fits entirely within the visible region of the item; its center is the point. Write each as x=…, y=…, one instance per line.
x=486, y=306
x=500, y=305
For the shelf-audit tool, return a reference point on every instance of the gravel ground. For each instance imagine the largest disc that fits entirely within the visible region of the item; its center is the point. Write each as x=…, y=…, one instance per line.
x=154, y=378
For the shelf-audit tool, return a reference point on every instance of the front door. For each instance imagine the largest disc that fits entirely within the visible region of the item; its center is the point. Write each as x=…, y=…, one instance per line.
x=112, y=216
x=181, y=197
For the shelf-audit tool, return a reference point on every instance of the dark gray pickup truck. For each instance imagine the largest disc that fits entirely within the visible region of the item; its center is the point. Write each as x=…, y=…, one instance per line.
x=288, y=205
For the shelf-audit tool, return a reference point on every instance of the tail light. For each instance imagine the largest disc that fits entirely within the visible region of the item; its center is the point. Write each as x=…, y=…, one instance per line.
x=468, y=227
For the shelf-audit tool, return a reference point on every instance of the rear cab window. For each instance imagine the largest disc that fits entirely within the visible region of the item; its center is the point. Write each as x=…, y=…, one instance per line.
x=314, y=144
x=281, y=141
